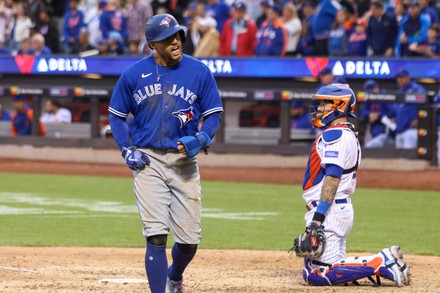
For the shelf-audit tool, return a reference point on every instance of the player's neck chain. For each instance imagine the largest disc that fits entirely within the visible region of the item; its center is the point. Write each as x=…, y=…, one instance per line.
x=157, y=72
x=157, y=68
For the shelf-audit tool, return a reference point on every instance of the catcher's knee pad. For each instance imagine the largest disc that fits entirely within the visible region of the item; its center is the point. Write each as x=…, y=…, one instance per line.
x=187, y=248
x=157, y=240
x=315, y=277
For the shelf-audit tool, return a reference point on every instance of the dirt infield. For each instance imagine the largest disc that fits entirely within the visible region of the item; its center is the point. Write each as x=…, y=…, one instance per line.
x=76, y=269
x=69, y=270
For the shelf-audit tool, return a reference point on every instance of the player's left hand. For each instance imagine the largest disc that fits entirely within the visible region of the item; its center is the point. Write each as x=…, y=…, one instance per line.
x=192, y=145
x=311, y=243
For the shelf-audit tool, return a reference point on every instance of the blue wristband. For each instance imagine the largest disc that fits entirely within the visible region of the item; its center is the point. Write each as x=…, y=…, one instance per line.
x=323, y=207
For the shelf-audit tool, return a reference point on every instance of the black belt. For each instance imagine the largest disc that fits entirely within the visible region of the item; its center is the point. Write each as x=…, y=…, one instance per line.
x=319, y=263
x=165, y=151
x=314, y=203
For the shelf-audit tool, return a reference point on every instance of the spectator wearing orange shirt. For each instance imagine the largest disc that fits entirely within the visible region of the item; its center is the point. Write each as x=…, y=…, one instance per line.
x=239, y=32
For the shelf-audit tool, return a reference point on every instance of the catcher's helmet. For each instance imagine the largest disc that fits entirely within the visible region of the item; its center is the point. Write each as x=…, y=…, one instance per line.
x=161, y=26
x=343, y=103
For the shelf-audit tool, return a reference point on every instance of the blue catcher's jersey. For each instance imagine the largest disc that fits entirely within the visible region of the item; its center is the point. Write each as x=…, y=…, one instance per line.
x=166, y=102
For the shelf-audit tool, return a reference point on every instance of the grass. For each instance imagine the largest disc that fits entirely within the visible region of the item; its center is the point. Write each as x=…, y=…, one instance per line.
x=55, y=210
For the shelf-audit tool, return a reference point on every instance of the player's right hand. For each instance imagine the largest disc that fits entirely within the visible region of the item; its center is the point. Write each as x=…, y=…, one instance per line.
x=181, y=148
x=136, y=160
x=194, y=144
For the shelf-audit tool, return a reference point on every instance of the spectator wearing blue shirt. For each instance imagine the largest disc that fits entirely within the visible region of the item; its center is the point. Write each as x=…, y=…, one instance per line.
x=338, y=41
x=218, y=10
x=38, y=46
x=112, y=19
x=306, y=40
x=73, y=22
x=272, y=35
x=431, y=48
x=381, y=31
x=406, y=113
x=321, y=24
x=357, y=41
x=413, y=30
x=430, y=12
x=373, y=114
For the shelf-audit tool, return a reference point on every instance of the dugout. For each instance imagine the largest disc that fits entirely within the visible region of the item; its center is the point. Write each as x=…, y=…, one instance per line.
x=90, y=92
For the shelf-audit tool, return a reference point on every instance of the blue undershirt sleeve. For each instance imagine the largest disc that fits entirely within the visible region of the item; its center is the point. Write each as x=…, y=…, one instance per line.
x=211, y=124
x=120, y=130
x=333, y=170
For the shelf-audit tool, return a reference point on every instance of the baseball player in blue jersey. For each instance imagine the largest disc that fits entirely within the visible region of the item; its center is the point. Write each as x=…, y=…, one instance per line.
x=168, y=93
x=406, y=114
x=375, y=114
x=329, y=181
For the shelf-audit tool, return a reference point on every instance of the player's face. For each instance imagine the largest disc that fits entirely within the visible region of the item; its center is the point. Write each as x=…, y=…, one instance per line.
x=324, y=106
x=402, y=81
x=169, y=50
x=49, y=107
x=19, y=106
x=326, y=79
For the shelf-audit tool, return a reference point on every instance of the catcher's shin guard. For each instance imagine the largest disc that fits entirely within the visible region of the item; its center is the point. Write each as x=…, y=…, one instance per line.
x=337, y=274
x=383, y=264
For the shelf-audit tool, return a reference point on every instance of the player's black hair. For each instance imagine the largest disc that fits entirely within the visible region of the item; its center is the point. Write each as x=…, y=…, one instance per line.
x=56, y=103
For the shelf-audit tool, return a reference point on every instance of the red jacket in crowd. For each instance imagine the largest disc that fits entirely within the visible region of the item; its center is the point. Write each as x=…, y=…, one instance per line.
x=245, y=41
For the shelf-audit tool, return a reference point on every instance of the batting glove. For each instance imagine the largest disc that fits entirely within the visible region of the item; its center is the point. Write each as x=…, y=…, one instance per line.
x=136, y=160
x=194, y=144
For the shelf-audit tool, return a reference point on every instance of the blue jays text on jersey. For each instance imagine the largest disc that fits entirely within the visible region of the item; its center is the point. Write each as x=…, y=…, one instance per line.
x=165, y=108
x=156, y=89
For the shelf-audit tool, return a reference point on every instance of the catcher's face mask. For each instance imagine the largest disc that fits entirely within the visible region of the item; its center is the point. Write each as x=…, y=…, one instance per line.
x=332, y=102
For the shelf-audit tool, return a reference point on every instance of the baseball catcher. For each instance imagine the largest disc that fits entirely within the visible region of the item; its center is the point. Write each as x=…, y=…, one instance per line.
x=329, y=181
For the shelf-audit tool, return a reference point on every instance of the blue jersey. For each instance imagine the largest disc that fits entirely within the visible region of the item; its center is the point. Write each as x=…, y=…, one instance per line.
x=407, y=112
x=73, y=23
x=324, y=17
x=220, y=12
x=166, y=103
x=271, y=39
x=383, y=109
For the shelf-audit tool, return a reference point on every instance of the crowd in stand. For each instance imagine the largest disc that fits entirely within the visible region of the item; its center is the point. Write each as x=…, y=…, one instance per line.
x=393, y=28
x=400, y=28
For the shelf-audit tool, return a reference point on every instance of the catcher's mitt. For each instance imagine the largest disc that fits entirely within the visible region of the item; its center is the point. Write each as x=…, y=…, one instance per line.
x=311, y=243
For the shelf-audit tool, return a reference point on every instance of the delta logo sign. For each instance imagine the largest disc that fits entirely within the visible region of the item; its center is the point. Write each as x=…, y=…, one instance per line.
x=349, y=67
x=28, y=64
